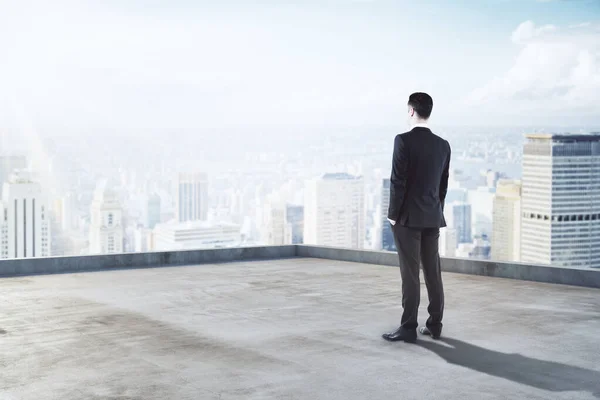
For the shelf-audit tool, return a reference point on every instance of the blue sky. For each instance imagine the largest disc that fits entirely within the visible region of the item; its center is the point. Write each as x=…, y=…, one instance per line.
x=135, y=64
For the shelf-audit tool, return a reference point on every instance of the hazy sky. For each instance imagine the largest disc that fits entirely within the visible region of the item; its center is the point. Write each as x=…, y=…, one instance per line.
x=131, y=65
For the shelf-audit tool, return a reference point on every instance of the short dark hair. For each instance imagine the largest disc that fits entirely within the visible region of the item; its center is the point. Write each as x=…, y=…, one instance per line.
x=422, y=103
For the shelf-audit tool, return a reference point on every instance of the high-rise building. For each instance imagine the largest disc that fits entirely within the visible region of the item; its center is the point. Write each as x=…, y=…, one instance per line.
x=8, y=164
x=106, y=225
x=506, y=236
x=192, y=197
x=24, y=219
x=560, y=207
x=458, y=217
x=274, y=226
x=153, y=209
x=295, y=220
x=387, y=236
x=334, y=211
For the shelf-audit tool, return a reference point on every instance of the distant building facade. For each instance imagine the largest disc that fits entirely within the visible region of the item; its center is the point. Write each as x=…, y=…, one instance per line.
x=106, y=225
x=506, y=237
x=560, y=216
x=274, y=227
x=334, y=211
x=458, y=217
x=192, y=235
x=192, y=197
x=25, y=224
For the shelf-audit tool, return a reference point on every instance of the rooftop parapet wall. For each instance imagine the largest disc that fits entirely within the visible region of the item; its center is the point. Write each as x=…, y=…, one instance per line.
x=53, y=265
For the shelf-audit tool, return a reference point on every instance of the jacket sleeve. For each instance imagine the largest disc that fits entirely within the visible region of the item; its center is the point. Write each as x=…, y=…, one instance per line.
x=445, y=175
x=398, y=178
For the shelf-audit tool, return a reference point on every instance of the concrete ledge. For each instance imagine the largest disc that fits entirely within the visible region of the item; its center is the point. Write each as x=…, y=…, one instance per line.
x=539, y=273
x=353, y=255
x=586, y=277
x=52, y=265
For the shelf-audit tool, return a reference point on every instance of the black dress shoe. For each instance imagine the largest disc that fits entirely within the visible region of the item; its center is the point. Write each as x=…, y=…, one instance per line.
x=426, y=331
x=401, y=334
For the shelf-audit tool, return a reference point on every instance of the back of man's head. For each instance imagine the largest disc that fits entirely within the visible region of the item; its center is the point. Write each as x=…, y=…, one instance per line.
x=422, y=103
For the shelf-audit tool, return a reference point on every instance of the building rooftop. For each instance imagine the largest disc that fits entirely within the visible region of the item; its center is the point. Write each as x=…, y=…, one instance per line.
x=565, y=137
x=339, y=176
x=296, y=328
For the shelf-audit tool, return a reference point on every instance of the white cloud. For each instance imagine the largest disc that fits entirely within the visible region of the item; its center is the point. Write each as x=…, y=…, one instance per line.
x=527, y=31
x=556, y=70
x=582, y=25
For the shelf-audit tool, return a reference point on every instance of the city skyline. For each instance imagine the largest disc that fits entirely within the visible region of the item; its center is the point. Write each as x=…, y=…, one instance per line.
x=138, y=212
x=251, y=103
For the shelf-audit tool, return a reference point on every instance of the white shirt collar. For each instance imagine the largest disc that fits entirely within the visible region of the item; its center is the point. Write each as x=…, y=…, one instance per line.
x=420, y=125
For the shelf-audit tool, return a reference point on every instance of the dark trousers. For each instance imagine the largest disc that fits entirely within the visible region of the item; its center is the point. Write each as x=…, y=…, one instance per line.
x=418, y=246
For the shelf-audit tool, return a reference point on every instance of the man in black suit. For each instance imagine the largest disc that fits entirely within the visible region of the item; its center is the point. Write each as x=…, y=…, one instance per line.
x=418, y=187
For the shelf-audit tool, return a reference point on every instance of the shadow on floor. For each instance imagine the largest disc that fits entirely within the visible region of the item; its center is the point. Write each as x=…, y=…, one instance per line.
x=545, y=375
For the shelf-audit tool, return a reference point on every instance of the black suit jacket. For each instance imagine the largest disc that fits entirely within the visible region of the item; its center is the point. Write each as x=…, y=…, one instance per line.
x=419, y=180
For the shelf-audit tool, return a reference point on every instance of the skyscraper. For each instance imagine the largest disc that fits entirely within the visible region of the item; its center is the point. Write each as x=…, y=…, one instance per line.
x=106, y=228
x=274, y=229
x=25, y=219
x=387, y=236
x=192, y=197
x=561, y=200
x=334, y=211
x=506, y=237
x=458, y=217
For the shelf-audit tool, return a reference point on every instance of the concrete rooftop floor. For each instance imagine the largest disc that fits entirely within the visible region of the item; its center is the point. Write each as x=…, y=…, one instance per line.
x=290, y=329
